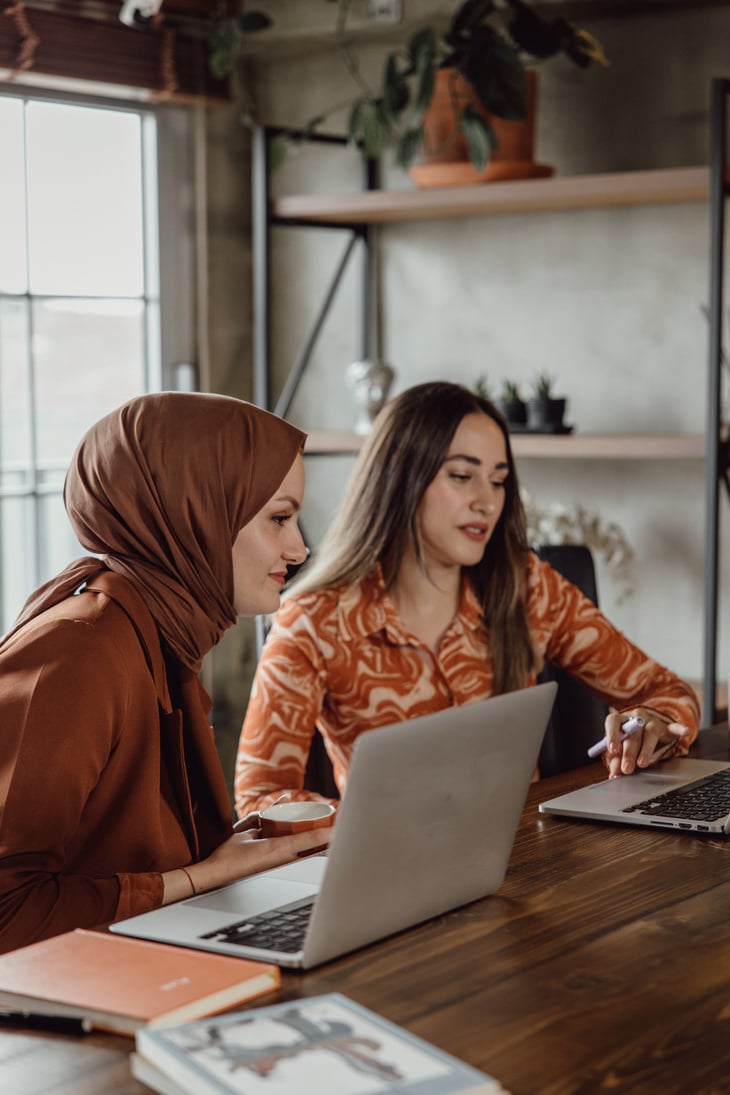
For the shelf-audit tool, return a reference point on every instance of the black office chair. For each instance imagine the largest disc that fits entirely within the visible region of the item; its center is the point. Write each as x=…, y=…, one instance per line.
x=578, y=715
x=318, y=775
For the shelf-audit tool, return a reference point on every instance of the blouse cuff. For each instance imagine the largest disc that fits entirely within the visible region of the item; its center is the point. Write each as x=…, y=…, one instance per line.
x=139, y=893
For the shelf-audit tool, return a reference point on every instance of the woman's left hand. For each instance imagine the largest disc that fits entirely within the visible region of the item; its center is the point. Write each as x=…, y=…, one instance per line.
x=658, y=740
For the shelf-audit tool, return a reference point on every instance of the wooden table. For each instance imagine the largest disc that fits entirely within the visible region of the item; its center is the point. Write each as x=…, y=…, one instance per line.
x=601, y=965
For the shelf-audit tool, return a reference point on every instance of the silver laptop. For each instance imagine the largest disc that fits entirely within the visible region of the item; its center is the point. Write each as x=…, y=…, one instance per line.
x=427, y=824
x=684, y=794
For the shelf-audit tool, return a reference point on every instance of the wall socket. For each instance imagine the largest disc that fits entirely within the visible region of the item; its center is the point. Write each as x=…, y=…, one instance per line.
x=385, y=11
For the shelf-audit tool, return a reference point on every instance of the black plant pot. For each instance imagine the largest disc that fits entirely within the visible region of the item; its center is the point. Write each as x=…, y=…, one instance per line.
x=545, y=415
x=514, y=411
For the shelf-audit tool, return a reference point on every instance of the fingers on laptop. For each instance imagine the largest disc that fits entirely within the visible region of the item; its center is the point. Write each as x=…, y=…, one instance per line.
x=666, y=742
x=657, y=741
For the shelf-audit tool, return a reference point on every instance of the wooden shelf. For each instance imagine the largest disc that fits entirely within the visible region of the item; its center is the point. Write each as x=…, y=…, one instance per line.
x=626, y=188
x=324, y=442
x=614, y=446
x=611, y=446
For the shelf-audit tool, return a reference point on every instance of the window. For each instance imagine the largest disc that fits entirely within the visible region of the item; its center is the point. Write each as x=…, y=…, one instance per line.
x=79, y=308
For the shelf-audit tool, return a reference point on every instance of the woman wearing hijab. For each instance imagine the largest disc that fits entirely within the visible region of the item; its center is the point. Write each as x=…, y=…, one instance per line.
x=112, y=796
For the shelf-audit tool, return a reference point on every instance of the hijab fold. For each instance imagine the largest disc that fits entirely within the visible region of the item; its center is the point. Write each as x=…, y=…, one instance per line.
x=158, y=490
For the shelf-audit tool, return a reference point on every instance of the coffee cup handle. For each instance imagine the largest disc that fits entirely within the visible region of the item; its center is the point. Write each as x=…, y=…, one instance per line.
x=249, y=822
x=252, y=820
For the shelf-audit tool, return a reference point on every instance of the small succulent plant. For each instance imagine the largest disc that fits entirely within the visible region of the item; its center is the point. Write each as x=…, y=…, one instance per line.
x=543, y=385
x=510, y=392
x=482, y=387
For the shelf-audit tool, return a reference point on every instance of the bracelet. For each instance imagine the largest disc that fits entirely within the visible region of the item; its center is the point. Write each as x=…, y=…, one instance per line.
x=190, y=879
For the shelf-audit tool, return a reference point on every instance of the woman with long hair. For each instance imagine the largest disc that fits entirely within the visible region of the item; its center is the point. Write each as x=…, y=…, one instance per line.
x=423, y=595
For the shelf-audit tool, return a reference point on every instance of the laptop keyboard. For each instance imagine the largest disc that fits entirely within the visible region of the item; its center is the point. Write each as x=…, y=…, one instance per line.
x=706, y=800
x=282, y=929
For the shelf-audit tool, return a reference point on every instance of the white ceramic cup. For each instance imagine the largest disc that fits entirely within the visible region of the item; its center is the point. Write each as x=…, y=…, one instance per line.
x=283, y=818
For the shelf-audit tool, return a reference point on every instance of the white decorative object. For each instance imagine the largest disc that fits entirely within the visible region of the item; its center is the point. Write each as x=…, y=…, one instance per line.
x=370, y=382
x=559, y=524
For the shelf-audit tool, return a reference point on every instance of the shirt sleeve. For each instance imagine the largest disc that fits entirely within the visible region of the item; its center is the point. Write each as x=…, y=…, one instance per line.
x=60, y=733
x=286, y=699
x=572, y=633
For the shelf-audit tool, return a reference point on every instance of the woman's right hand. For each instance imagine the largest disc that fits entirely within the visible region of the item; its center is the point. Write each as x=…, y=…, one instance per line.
x=658, y=740
x=241, y=855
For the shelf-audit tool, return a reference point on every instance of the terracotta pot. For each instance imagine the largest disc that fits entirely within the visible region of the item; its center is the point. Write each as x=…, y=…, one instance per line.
x=444, y=142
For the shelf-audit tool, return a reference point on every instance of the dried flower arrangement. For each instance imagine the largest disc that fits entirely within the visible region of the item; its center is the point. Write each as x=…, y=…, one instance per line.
x=559, y=524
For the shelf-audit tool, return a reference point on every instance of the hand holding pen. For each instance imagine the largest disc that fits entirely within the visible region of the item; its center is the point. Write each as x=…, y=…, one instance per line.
x=657, y=741
x=627, y=728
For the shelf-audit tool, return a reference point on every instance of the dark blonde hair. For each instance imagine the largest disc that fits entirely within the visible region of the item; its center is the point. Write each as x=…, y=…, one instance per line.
x=378, y=518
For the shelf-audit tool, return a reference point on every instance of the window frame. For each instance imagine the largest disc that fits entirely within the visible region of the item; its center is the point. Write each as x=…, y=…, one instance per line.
x=168, y=142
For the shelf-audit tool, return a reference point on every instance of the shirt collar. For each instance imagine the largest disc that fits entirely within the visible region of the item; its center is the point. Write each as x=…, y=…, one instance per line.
x=366, y=610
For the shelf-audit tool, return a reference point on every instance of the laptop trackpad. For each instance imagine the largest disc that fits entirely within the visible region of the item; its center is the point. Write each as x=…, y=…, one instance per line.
x=251, y=896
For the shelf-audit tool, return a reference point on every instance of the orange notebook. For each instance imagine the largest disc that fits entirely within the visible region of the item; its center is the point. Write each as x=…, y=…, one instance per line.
x=122, y=984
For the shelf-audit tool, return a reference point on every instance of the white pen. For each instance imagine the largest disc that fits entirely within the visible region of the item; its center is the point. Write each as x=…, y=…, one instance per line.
x=627, y=729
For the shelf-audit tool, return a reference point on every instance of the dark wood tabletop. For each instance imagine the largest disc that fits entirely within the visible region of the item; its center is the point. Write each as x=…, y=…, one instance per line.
x=602, y=964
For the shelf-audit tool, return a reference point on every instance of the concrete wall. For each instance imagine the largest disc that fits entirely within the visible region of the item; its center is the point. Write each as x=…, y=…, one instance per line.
x=609, y=301
x=224, y=309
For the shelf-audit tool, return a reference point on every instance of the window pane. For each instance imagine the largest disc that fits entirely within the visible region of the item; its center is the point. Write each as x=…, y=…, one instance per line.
x=84, y=201
x=13, y=272
x=79, y=327
x=89, y=357
x=27, y=550
x=17, y=559
x=57, y=545
x=15, y=440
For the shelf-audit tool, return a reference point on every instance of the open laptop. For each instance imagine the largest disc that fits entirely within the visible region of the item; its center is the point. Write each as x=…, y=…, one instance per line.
x=684, y=794
x=427, y=824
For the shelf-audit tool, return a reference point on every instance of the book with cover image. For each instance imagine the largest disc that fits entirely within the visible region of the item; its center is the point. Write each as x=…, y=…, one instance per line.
x=321, y=1045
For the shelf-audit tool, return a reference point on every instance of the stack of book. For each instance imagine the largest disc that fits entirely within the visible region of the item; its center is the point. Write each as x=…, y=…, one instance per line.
x=319, y=1045
x=170, y=999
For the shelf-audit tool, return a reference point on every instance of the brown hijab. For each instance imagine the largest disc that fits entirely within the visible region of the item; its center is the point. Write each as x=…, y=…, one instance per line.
x=160, y=488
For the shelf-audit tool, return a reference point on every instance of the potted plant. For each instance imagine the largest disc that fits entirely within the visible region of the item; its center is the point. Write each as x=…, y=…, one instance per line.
x=545, y=411
x=466, y=93
x=483, y=388
x=511, y=404
x=476, y=68
x=450, y=92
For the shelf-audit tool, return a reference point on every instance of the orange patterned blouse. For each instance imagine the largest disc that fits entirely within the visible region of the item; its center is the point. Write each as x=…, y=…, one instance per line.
x=341, y=660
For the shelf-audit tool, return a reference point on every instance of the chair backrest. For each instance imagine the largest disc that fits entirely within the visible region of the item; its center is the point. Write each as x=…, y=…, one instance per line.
x=319, y=774
x=578, y=715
